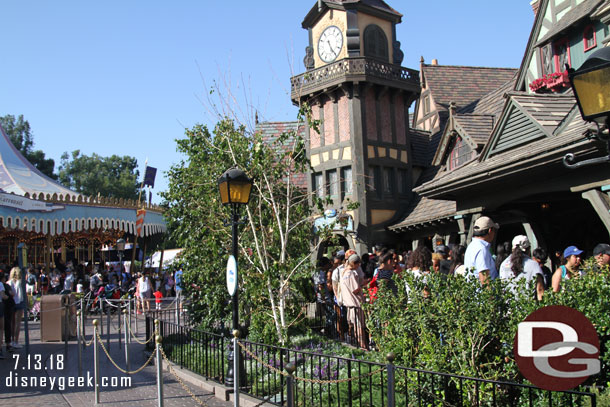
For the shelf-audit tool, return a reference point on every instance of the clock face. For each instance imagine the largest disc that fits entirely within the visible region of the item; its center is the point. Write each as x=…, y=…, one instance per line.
x=330, y=44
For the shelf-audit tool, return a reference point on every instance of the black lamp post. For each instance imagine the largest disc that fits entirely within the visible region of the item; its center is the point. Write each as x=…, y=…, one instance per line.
x=120, y=247
x=235, y=188
x=591, y=85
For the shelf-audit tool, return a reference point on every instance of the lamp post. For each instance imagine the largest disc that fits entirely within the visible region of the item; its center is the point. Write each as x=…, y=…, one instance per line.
x=120, y=247
x=235, y=188
x=591, y=85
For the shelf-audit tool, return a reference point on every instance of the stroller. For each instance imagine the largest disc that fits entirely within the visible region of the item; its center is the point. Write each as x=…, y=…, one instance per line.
x=34, y=309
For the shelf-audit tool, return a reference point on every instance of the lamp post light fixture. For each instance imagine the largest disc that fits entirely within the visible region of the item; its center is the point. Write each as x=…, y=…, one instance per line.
x=235, y=187
x=120, y=247
x=591, y=85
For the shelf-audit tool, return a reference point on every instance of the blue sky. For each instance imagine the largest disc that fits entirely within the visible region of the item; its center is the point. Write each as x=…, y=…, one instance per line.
x=126, y=77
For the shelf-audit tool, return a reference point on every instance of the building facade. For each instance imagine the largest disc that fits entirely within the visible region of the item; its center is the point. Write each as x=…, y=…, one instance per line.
x=358, y=90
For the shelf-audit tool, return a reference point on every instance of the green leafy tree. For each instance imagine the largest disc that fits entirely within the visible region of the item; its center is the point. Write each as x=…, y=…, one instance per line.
x=113, y=176
x=20, y=133
x=275, y=237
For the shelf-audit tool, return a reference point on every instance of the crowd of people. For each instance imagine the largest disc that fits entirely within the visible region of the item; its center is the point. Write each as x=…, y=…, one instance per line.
x=83, y=279
x=343, y=284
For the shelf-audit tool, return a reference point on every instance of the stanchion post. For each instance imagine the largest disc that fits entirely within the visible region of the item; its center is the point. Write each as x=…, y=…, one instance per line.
x=126, y=343
x=237, y=373
x=82, y=326
x=391, y=383
x=120, y=327
x=78, y=338
x=107, y=327
x=159, y=371
x=290, y=368
x=96, y=363
x=66, y=329
x=129, y=316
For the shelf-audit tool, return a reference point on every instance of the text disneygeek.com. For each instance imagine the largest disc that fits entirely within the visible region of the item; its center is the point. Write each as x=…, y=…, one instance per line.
x=15, y=380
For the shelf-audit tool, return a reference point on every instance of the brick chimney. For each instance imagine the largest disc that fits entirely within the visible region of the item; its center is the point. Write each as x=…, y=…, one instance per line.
x=435, y=61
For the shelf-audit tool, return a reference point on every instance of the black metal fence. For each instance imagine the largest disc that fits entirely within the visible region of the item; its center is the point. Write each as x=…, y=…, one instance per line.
x=323, y=380
x=343, y=324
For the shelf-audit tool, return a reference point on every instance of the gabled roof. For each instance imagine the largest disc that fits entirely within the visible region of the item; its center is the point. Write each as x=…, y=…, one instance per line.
x=539, y=153
x=19, y=176
x=463, y=85
x=576, y=14
x=374, y=7
x=475, y=121
x=528, y=117
x=476, y=126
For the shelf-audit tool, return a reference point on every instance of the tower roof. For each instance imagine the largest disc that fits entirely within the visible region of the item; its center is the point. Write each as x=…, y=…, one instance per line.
x=374, y=7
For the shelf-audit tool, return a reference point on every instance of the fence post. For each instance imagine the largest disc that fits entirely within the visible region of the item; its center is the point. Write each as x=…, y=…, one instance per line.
x=391, y=383
x=96, y=363
x=176, y=312
x=78, y=338
x=159, y=362
x=290, y=368
x=126, y=342
x=236, y=372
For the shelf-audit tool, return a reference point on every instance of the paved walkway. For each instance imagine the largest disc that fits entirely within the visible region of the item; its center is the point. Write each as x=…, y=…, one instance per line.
x=49, y=386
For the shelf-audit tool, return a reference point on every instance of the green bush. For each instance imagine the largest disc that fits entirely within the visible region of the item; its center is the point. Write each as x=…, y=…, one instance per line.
x=453, y=325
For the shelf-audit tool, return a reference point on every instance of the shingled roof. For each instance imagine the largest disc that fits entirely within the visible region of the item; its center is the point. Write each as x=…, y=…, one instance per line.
x=377, y=4
x=547, y=109
x=476, y=120
x=420, y=141
x=463, y=85
x=270, y=131
x=539, y=152
x=477, y=126
x=378, y=7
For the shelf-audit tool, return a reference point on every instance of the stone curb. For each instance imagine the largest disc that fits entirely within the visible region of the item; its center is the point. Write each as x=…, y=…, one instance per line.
x=220, y=391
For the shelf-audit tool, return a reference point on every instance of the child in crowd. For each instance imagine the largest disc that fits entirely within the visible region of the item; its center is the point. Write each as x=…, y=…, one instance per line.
x=158, y=299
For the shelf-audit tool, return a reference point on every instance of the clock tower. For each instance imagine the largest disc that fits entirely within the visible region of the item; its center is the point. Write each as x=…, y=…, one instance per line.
x=361, y=95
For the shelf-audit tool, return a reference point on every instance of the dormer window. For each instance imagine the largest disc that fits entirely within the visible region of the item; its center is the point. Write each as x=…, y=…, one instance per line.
x=375, y=43
x=588, y=38
x=460, y=154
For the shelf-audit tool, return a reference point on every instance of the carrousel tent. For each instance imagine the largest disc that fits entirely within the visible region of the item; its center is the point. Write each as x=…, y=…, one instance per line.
x=45, y=215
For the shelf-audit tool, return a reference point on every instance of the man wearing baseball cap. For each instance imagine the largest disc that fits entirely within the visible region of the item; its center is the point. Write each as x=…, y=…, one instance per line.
x=477, y=259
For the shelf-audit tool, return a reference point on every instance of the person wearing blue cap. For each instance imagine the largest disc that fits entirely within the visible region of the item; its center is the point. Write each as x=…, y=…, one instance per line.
x=570, y=269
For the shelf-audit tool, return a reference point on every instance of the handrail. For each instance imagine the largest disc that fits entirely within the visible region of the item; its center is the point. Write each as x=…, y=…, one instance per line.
x=354, y=66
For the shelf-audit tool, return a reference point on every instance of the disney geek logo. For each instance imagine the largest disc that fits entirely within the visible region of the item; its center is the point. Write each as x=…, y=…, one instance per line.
x=557, y=348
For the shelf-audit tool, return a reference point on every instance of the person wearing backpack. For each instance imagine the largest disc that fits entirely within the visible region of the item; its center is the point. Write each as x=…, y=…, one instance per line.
x=30, y=282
